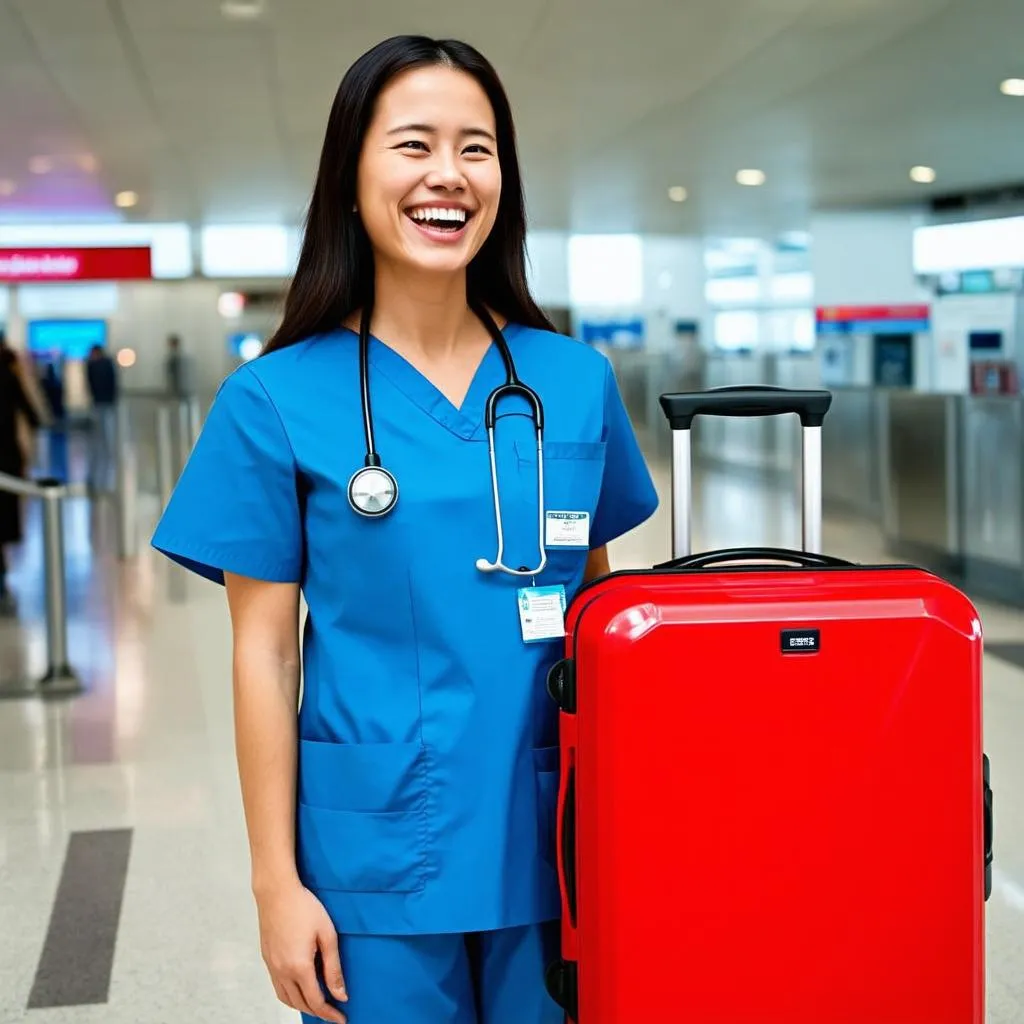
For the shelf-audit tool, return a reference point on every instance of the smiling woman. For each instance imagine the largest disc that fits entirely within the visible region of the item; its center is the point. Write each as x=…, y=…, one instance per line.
x=401, y=825
x=416, y=124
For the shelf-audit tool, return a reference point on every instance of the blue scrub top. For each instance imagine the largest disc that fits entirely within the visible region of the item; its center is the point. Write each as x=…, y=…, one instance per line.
x=428, y=745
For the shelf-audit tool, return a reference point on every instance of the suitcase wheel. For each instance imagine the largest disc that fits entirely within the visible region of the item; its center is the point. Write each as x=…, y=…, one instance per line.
x=562, y=684
x=560, y=979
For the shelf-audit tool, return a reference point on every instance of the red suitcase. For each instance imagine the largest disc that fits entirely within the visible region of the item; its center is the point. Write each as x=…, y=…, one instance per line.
x=774, y=805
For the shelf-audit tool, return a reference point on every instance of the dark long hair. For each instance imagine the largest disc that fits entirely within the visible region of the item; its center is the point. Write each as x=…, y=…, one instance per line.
x=335, y=272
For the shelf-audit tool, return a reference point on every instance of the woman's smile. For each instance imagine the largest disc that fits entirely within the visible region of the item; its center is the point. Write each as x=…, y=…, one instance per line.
x=440, y=222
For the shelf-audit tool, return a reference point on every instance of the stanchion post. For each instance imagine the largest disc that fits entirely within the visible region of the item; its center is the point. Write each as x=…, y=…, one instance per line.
x=60, y=679
x=127, y=484
x=164, y=453
x=193, y=422
x=184, y=429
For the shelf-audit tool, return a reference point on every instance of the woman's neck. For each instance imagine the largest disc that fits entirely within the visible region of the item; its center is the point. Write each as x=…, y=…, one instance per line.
x=425, y=312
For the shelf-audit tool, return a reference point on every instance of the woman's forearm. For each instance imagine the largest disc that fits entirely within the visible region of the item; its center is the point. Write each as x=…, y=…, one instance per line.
x=266, y=696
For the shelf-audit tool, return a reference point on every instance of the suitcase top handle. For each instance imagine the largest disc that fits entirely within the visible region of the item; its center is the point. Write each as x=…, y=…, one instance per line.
x=757, y=400
x=805, y=559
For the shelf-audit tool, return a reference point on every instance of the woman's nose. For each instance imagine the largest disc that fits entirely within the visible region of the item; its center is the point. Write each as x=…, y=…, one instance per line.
x=446, y=173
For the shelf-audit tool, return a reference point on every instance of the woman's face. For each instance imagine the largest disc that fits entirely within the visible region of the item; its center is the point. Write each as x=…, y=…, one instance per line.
x=429, y=180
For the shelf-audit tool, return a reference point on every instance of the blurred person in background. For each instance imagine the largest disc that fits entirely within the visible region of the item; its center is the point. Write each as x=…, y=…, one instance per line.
x=32, y=383
x=402, y=819
x=18, y=418
x=52, y=387
x=101, y=374
x=177, y=369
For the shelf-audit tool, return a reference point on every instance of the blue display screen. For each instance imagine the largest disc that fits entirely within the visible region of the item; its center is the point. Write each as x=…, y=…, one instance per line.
x=71, y=339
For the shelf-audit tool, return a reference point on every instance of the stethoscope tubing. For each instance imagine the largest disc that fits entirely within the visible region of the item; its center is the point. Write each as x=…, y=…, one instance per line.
x=513, y=386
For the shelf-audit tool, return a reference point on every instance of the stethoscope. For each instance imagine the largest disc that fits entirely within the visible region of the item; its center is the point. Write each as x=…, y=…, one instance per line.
x=373, y=490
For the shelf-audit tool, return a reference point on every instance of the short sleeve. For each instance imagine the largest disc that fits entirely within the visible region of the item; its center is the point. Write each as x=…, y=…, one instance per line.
x=628, y=496
x=235, y=507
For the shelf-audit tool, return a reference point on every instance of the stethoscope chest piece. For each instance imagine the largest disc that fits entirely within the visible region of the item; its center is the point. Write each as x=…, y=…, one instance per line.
x=372, y=491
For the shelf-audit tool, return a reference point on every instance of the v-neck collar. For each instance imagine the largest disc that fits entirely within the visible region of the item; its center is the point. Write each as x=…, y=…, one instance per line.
x=465, y=421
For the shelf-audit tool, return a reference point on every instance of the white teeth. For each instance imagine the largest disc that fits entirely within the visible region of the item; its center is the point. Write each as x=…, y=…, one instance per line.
x=437, y=213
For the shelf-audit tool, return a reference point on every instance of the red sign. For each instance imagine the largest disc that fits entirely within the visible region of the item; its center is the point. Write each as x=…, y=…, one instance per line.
x=131, y=263
x=843, y=313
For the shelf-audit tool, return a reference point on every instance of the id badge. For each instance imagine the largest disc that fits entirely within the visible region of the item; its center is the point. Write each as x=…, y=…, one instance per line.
x=542, y=613
x=567, y=530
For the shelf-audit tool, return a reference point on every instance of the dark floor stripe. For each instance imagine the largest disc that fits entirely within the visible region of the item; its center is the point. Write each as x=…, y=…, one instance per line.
x=1008, y=652
x=74, y=968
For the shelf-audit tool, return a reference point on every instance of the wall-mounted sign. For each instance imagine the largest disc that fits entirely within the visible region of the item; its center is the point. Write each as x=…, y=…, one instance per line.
x=904, y=319
x=127, y=263
x=614, y=333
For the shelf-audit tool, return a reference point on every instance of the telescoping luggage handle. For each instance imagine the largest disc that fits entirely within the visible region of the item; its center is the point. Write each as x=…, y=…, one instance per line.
x=681, y=409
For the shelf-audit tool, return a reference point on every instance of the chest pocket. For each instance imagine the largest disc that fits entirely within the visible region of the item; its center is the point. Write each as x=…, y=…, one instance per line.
x=573, y=474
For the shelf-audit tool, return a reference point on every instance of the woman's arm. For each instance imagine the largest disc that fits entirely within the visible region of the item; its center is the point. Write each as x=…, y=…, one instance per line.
x=294, y=926
x=265, y=622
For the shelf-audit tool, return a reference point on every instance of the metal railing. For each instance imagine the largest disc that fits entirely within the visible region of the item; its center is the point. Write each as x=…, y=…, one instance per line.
x=169, y=426
x=173, y=446
x=177, y=425
x=60, y=679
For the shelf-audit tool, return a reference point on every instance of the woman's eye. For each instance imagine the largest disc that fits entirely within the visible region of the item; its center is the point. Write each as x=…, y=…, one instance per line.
x=413, y=142
x=478, y=149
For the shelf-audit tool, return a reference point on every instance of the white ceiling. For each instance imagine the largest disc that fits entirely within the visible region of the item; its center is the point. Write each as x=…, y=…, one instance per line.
x=615, y=100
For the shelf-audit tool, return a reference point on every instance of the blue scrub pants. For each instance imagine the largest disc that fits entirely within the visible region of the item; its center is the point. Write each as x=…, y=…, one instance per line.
x=484, y=978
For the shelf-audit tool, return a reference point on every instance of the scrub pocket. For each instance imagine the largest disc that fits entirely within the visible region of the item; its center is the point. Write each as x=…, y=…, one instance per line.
x=545, y=760
x=573, y=474
x=361, y=823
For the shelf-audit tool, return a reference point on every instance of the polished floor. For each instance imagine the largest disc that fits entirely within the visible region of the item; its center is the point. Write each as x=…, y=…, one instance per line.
x=144, y=760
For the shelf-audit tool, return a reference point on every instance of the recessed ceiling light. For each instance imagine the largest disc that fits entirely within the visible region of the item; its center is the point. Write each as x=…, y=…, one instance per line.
x=126, y=200
x=751, y=177
x=7, y=187
x=677, y=194
x=40, y=165
x=922, y=175
x=1013, y=87
x=242, y=10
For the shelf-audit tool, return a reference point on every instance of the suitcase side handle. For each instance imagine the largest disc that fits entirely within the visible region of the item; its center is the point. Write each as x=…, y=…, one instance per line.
x=746, y=400
x=989, y=828
x=807, y=559
x=567, y=841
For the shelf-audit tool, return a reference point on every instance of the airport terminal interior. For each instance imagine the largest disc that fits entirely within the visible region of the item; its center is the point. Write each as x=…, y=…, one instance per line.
x=806, y=194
